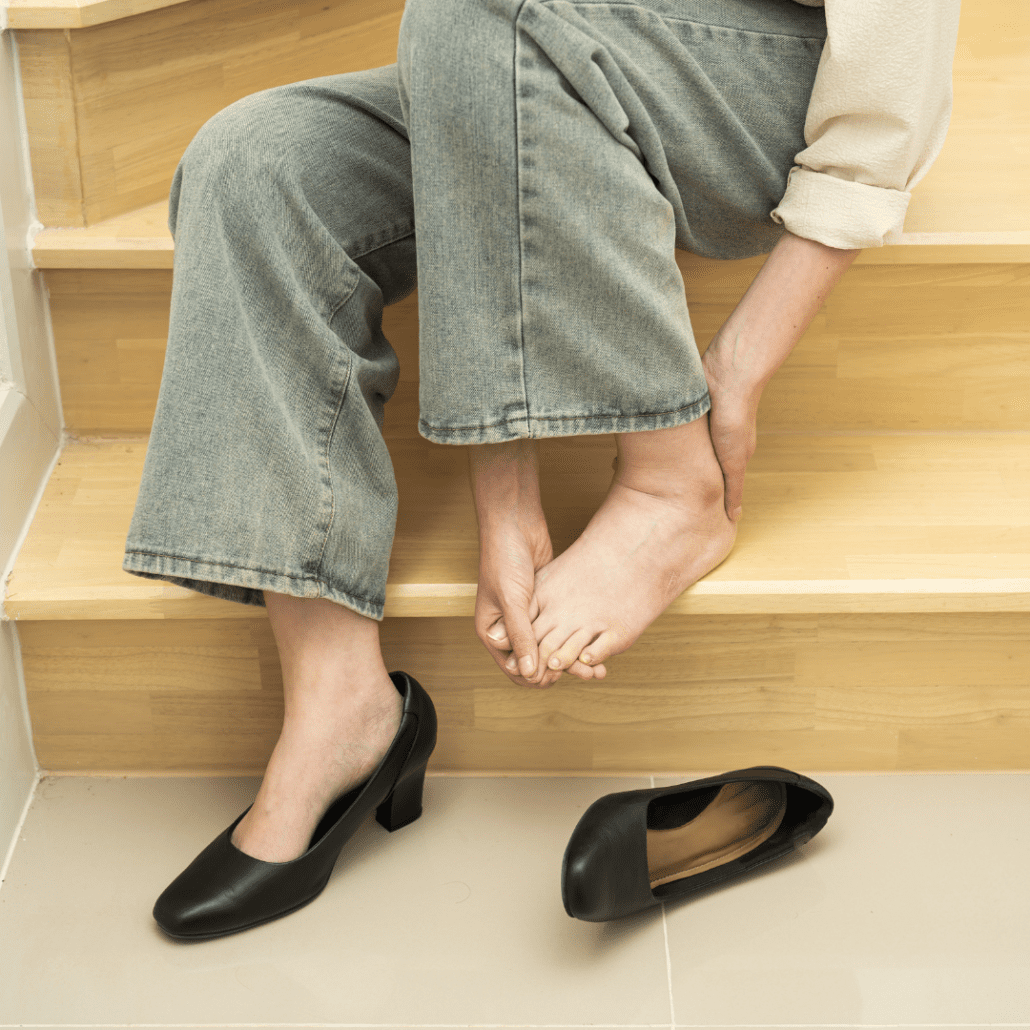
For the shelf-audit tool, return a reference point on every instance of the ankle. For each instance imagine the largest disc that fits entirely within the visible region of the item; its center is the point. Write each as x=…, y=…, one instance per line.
x=677, y=466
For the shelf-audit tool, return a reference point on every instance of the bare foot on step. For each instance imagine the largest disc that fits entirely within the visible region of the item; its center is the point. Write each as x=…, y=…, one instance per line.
x=662, y=527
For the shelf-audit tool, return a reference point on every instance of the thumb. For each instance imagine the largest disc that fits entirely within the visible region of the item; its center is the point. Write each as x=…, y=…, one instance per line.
x=523, y=642
x=734, y=494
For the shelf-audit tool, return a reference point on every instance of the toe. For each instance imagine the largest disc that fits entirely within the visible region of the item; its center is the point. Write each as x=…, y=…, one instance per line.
x=550, y=646
x=587, y=672
x=606, y=645
x=571, y=649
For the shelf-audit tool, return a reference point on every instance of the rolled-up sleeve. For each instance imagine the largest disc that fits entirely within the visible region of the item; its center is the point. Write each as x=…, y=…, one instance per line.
x=877, y=119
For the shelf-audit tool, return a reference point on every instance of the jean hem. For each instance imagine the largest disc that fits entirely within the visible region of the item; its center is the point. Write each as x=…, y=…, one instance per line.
x=239, y=583
x=545, y=427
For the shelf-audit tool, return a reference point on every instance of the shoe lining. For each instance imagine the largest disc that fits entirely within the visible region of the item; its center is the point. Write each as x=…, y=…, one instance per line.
x=739, y=818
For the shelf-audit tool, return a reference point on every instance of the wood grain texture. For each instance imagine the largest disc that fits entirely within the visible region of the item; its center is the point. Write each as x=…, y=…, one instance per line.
x=76, y=14
x=136, y=89
x=49, y=93
x=847, y=523
x=141, y=87
x=954, y=354
x=140, y=239
x=849, y=692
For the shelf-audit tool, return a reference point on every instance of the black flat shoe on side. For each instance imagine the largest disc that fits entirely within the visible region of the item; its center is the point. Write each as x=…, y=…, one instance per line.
x=224, y=890
x=633, y=850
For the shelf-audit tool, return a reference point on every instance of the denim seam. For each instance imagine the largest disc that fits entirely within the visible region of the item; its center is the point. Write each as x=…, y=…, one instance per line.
x=562, y=418
x=328, y=465
x=248, y=568
x=409, y=230
x=686, y=21
x=518, y=201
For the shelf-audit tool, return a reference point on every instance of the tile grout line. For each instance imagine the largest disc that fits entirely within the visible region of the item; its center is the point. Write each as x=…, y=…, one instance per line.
x=668, y=959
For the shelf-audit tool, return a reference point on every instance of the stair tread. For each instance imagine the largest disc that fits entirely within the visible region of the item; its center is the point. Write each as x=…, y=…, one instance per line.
x=140, y=239
x=833, y=523
x=971, y=205
x=77, y=14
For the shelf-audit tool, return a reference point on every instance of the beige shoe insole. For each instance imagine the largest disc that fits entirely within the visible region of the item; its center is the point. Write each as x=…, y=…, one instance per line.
x=739, y=818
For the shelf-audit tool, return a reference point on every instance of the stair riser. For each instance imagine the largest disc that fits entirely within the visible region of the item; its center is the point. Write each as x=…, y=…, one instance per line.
x=896, y=347
x=165, y=73
x=857, y=692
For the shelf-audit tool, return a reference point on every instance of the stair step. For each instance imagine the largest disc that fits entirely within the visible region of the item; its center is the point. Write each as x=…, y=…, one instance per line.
x=87, y=93
x=923, y=346
x=110, y=109
x=140, y=239
x=844, y=523
x=77, y=14
x=874, y=614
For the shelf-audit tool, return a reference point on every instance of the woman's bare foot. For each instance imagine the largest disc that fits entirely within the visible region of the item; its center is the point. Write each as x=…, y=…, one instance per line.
x=342, y=712
x=662, y=527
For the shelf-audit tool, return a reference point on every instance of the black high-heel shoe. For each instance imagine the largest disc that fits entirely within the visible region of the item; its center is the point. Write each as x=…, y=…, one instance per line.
x=635, y=849
x=224, y=890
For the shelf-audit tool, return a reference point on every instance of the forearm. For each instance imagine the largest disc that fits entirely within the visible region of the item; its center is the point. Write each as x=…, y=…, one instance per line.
x=504, y=478
x=778, y=307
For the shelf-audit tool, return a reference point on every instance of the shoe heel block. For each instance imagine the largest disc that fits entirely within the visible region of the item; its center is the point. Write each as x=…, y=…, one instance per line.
x=403, y=805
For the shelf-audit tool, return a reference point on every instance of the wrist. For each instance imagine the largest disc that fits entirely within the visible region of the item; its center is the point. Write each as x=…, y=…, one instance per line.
x=737, y=366
x=504, y=478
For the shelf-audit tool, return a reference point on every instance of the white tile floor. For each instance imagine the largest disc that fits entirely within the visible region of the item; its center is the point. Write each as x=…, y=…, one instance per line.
x=912, y=908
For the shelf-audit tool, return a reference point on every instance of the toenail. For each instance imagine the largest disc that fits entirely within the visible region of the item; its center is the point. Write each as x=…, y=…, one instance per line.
x=511, y=665
x=585, y=658
x=555, y=662
x=496, y=634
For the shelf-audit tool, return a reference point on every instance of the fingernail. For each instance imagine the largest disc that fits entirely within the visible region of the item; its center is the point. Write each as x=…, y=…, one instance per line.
x=528, y=665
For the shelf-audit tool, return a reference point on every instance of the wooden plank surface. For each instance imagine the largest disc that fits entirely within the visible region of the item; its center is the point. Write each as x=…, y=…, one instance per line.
x=142, y=86
x=842, y=523
x=76, y=14
x=140, y=239
x=954, y=356
x=849, y=692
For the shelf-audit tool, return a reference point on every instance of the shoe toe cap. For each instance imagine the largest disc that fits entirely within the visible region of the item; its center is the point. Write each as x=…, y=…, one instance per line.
x=604, y=872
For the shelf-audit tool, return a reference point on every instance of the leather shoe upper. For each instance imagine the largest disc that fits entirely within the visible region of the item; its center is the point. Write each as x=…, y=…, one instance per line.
x=605, y=870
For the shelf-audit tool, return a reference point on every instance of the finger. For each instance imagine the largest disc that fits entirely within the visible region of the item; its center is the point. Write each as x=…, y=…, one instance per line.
x=523, y=643
x=734, y=494
x=499, y=636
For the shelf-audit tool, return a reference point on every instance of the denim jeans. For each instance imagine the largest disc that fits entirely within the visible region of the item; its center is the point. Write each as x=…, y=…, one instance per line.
x=530, y=165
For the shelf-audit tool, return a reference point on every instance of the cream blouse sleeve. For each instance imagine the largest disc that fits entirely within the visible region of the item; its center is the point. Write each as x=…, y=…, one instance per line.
x=876, y=120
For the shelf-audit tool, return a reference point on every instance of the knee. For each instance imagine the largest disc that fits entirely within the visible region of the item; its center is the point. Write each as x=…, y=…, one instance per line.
x=231, y=153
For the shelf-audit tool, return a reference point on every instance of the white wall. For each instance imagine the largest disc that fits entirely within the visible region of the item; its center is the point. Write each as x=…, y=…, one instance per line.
x=30, y=421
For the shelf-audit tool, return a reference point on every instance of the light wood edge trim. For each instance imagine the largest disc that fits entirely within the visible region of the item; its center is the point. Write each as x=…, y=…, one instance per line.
x=100, y=253
x=769, y=597
x=71, y=249
x=77, y=14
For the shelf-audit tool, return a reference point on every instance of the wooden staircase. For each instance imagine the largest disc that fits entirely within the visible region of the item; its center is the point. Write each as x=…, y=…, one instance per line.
x=874, y=615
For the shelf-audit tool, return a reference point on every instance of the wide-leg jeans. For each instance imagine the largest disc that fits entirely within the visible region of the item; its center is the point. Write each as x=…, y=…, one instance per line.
x=531, y=166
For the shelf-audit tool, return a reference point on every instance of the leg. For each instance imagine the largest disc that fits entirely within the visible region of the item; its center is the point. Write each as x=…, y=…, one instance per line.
x=341, y=714
x=267, y=478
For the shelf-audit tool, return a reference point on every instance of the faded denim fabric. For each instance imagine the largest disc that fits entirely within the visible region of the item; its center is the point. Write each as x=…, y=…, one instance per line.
x=530, y=165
